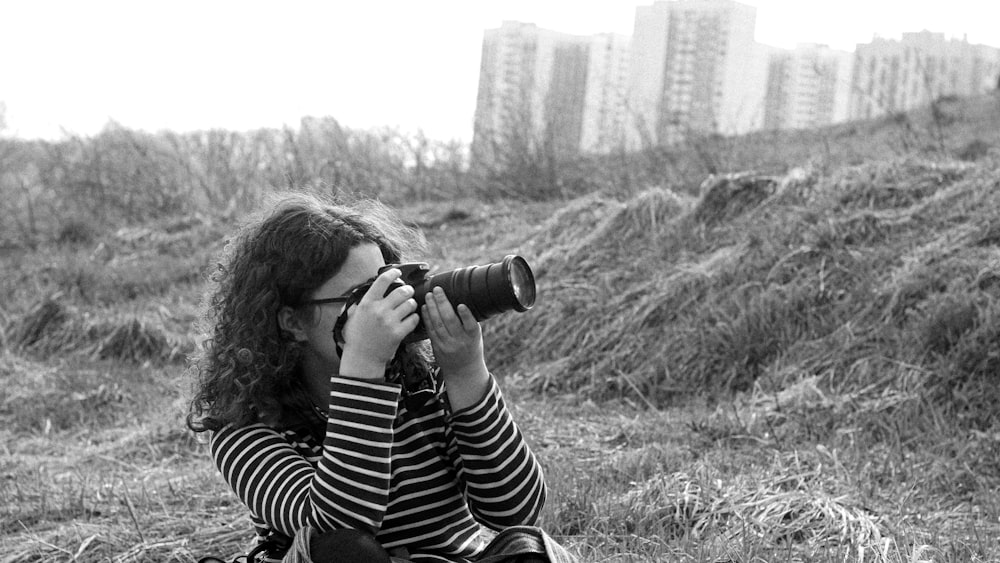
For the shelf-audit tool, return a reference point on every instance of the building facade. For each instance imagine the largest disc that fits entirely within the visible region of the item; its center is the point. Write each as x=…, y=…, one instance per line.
x=891, y=76
x=695, y=69
x=807, y=87
x=692, y=67
x=532, y=84
x=604, y=111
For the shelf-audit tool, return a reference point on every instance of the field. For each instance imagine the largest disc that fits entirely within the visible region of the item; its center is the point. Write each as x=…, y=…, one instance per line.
x=794, y=361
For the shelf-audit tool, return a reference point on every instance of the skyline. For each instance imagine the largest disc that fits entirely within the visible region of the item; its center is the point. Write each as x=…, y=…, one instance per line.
x=410, y=65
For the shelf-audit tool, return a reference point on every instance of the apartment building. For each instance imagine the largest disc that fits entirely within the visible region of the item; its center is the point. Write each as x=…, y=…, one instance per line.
x=695, y=69
x=692, y=67
x=891, y=76
x=604, y=111
x=532, y=84
x=806, y=87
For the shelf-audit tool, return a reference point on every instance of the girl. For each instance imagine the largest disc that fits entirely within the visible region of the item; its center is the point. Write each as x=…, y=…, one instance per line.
x=345, y=444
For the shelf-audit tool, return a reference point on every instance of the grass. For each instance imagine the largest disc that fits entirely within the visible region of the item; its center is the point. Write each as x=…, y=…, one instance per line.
x=793, y=366
x=687, y=484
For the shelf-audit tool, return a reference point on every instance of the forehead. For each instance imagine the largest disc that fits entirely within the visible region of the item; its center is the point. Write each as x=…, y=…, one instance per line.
x=363, y=262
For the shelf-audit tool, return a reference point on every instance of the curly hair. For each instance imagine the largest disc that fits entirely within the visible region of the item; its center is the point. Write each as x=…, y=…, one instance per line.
x=247, y=370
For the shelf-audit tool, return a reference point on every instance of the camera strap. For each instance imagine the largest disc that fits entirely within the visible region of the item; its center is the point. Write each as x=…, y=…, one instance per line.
x=414, y=375
x=338, y=327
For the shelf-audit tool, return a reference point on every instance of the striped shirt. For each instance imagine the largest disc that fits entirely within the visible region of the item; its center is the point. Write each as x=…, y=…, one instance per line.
x=425, y=480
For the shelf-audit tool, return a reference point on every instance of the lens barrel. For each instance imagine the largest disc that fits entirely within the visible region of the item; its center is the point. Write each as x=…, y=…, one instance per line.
x=487, y=290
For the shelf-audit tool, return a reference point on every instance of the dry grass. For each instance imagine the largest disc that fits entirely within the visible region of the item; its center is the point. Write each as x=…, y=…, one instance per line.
x=716, y=292
x=51, y=327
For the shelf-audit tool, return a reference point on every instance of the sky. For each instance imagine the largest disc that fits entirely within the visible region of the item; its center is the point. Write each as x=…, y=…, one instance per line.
x=69, y=67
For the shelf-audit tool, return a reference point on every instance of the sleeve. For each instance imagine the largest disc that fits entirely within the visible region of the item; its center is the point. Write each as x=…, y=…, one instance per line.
x=504, y=482
x=348, y=488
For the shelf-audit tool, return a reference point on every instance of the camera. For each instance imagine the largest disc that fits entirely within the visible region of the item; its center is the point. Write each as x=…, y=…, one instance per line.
x=486, y=290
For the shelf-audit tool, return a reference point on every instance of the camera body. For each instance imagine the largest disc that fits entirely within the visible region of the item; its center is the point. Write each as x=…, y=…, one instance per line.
x=487, y=290
x=413, y=274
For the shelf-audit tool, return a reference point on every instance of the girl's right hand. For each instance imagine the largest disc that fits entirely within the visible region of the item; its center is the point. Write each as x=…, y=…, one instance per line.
x=376, y=326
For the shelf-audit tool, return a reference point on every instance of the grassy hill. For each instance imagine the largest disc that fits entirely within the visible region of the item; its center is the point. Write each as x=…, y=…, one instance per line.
x=794, y=358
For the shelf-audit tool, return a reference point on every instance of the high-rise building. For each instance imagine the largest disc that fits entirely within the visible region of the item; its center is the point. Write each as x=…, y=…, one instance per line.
x=604, y=111
x=891, y=76
x=532, y=84
x=692, y=67
x=695, y=69
x=807, y=87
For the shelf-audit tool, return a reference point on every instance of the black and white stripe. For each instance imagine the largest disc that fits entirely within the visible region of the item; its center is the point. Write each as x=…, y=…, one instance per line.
x=425, y=481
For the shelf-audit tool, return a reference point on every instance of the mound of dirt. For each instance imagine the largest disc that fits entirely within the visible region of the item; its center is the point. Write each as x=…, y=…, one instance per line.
x=663, y=294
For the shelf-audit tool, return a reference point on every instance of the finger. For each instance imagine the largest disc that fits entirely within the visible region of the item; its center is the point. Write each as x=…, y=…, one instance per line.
x=410, y=321
x=408, y=308
x=399, y=297
x=465, y=315
x=445, y=310
x=440, y=314
x=381, y=284
x=432, y=316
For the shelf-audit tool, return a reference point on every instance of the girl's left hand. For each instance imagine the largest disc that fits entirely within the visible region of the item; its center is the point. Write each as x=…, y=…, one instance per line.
x=455, y=334
x=457, y=340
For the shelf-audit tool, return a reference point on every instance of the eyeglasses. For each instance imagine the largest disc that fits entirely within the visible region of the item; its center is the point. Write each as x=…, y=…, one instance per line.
x=341, y=299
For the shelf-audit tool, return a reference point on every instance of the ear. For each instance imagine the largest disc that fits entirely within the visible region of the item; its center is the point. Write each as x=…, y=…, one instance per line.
x=290, y=321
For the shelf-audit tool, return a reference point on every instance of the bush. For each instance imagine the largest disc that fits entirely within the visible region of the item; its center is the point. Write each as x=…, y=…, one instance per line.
x=77, y=232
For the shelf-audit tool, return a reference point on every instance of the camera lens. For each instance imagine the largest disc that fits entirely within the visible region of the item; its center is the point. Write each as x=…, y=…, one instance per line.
x=522, y=282
x=491, y=289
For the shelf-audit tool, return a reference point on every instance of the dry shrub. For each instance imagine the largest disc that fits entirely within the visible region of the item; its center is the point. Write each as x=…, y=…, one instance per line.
x=136, y=342
x=862, y=229
x=977, y=352
x=801, y=184
x=637, y=238
x=989, y=234
x=744, y=335
x=964, y=336
x=644, y=216
x=932, y=286
x=595, y=235
x=725, y=197
x=46, y=317
x=945, y=322
x=51, y=328
x=568, y=227
x=606, y=340
x=894, y=183
x=974, y=150
x=76, y=231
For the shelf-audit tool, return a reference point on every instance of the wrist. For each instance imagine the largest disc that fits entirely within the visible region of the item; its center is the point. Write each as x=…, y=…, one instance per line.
x=355, y=366
x=466, y=387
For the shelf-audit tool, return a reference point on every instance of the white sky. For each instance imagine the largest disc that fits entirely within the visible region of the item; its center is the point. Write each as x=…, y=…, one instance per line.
x=73, y=65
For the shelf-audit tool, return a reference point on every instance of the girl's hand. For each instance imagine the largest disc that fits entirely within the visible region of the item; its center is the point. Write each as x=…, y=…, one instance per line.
x=457, y=340
x=376, y=326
